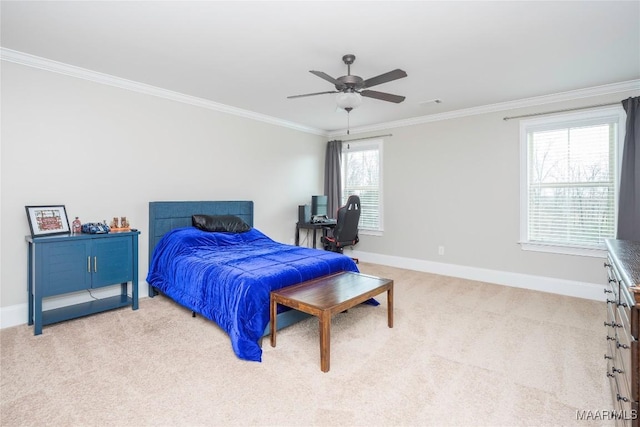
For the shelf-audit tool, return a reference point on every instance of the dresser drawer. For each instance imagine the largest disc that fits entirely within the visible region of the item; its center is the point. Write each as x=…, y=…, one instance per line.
x=622, y=405
x=622, y=367
x=614, y=277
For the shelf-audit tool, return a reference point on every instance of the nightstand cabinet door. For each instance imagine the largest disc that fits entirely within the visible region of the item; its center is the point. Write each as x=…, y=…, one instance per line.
x=64, y=267
x=111, y=261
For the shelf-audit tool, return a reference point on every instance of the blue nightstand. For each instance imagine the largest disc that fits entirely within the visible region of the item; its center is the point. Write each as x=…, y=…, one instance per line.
x=74, y=262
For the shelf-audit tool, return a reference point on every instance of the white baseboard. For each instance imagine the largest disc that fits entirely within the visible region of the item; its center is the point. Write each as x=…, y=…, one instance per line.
x=18, y=314
x=592, y=291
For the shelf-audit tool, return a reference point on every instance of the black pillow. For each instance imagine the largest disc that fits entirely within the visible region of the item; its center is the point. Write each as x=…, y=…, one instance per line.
x=230, y=223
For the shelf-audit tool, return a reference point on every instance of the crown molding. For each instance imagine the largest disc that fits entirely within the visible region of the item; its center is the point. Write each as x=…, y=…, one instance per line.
x=94, y=76
x=631, y=85
x=106, y=79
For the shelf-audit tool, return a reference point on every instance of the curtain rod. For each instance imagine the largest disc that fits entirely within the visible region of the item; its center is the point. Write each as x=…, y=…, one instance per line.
x=367, y=137
x=561, y=111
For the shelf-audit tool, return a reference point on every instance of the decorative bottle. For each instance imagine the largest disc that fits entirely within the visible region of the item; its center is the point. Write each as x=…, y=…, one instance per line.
x=76, y=226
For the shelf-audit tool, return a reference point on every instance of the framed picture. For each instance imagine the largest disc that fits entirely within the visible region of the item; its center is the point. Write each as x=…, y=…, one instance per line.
x=47, y=220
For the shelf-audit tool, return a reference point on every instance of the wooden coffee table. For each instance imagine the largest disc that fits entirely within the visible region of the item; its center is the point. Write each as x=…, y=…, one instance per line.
x=326, y=296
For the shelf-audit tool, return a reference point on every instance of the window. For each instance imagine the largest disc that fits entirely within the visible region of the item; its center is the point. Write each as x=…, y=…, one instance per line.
x=362, y=176
x=569, y=170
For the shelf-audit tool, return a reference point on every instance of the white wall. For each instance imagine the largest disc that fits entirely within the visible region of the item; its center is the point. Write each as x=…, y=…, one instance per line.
x=106, y=152
x=455, y=183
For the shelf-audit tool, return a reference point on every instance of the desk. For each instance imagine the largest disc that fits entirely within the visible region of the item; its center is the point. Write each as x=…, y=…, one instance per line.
x=312, y=226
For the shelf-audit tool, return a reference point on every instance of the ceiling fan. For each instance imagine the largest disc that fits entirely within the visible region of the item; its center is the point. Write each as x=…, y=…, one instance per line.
x=353, y=86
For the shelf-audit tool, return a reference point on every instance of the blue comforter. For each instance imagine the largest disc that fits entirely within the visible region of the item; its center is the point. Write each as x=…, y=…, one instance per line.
x=227, y=277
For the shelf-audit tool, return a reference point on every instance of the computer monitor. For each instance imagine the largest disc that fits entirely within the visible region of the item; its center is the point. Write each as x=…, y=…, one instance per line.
x=318, y=205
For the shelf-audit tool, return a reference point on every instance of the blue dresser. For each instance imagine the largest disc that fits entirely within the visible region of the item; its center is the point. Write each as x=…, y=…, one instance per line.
x=75, y=262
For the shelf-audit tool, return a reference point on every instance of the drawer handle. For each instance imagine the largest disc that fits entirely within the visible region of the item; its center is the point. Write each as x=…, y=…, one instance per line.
x=624, y=399
x=608, y=357
x=621, y=345
x=613, y=324
x=623, y=304
x=616, y=370
x=607, y=265
x=613, y=281
x=610, y=375
x=608, y=291
x=610, y=338
x=610, y=301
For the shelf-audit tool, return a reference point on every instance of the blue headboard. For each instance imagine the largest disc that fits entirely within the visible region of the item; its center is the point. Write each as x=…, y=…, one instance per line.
x=165, y=216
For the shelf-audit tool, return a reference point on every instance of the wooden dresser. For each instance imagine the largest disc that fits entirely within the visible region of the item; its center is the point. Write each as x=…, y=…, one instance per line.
x=623, y=329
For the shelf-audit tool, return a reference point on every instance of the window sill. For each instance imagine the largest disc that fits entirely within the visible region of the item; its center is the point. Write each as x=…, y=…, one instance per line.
x=370, y=232
x=564, y=250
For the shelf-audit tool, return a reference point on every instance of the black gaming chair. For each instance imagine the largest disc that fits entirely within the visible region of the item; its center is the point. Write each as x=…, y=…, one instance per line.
x=345, y=233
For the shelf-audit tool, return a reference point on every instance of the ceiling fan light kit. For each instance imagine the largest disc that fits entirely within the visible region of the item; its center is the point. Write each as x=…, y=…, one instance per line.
x=348, y=100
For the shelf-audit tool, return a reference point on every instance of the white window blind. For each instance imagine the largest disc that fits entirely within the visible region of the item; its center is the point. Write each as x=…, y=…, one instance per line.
x=570, y=183
x=362, y=176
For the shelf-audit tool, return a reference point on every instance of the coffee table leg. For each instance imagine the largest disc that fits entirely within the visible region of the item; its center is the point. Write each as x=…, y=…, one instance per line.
x=273, y=307
x=390, y=306
x=325, y=339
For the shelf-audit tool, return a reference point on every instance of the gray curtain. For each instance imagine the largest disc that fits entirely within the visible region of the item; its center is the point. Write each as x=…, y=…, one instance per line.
x=629, y=200
x=332, y=177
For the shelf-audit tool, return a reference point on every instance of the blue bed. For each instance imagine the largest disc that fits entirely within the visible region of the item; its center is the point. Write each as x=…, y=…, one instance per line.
x=227, y=277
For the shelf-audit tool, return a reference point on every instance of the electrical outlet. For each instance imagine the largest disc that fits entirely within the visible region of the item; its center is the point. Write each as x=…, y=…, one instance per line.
x=440, y=250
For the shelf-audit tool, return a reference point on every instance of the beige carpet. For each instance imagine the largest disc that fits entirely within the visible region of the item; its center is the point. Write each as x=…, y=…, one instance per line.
x=461, y=353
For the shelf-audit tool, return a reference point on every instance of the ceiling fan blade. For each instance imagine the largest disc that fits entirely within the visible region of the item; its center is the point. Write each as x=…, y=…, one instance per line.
x=311, y=94
x=386, y=77
x=382, y=96
x=326, y=77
